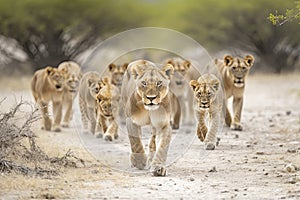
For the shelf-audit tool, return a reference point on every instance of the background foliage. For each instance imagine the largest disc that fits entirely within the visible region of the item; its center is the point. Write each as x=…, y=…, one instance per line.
x=51, y=31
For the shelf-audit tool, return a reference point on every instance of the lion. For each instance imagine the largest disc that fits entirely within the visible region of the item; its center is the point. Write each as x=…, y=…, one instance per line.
x=89, y=87
x=46, y=87
x=148, y=100
x=71, y=85
x=107, y=110
x=207, y=105
x=234, y=71
x=183, y=74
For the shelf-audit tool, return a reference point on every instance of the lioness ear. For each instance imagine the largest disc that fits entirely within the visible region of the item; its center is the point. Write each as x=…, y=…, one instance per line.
x=228, y=60
x=64, y=70
x=124, y=66
x=249, y=60
x=194, y=84
x=215, y=84
x=137, y=70
x=168, y=69
x=187, y=64
x=111, y=67
x=49, y=70
x=170, y=62
x=105, y=80
x=90, y=82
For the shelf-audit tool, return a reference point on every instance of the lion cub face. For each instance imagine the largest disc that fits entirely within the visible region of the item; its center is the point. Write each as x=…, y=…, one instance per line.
x=205, y=90
x=152, y=83
x=117, y=72
x=94, y=86
x=238, y=68
x=55, y=77
x=104, y=97
x=72, y=83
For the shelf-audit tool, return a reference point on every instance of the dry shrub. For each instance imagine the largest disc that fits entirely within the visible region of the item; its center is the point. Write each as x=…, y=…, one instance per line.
x=19, y=152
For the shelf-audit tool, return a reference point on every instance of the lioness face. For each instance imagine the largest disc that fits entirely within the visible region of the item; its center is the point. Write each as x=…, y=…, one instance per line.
x=152, y=83
x=72, y=83
x=104, y=104
x=205, y=90
x=56, y=77
x=117, y=72
x=181, y=68
x=238, y=68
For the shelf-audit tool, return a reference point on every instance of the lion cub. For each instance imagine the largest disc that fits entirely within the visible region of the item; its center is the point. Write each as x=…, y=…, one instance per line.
x=234, y=71
x=46, y=87
x=207, y=107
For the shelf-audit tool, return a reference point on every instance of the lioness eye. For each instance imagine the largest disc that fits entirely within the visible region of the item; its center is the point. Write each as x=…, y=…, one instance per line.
x=243, y=68
x=159, y=83
x=144, y=83
x=234, y=68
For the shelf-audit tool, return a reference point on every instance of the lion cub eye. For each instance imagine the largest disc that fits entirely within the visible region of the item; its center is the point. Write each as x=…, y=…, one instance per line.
x=159, y=83
x=144, y=83
x=234, y=67
x=199, y=94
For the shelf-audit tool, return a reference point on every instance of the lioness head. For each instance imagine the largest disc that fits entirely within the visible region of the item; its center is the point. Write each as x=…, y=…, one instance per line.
x=152, y=83
x=238, y=68
x=104, y=100
x=72, y=82
x=94, y=86
x=205, y=89
x=181, y=68
x=117, y=72
x=55, y=77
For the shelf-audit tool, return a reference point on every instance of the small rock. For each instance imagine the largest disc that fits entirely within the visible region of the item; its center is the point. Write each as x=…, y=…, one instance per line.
x=248, y=145
x=291, y=150
x=225, y=191
x=159, y=184
x=281, y=145
x=192, y=179
x=236, y=190
x=288, y=112
x=292, y=180
x=214, y=169
x=260, y=153
x=290, y=168
x=272, y=125
x=270, y=120
x=266, y=174
x=236, y=136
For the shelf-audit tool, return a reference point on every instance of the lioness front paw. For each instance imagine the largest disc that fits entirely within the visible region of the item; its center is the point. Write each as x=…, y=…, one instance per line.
x=65, y=125
x=47, y=125
x=210, y=146
x=159, y=171
x=236, y=126
x=138, y=160
x=99, y=135
x=56, y=128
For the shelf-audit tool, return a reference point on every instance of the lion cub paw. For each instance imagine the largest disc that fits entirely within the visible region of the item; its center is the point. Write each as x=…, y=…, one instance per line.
x=210, y=146
x=65, y=125
x=159, y=171
x=236, y=126
x=107, y=137
x=138, y=160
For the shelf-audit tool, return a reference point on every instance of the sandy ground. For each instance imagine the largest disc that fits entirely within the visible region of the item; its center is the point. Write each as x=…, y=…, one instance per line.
x=246, y=165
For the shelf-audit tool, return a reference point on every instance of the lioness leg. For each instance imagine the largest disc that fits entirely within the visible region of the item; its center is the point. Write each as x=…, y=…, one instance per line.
x=91, y=115
x=177, y=115
x=83, y=111
x=159, y=161
x=210, y=139
x=57, y=111
x=237, y=110
x=201, y=129
x=227, y=114
x=46, y=121
x=68, y=113
x=138, y=157
x=152, y=147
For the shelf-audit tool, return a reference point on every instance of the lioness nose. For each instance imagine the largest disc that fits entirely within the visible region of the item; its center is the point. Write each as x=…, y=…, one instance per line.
x=151, y=98
x=204, y=102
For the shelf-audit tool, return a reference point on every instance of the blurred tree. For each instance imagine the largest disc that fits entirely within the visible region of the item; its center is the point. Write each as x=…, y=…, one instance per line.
x=57, y=30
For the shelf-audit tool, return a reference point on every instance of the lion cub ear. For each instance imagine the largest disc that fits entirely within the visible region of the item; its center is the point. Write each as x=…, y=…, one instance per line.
x=49, y=70
x=137, y=70
x=124, y=66
x=187, y=64
x=111, y=67
x=249, y=60
x=228, y=60
x=194, y=84
x=168, y=69
x=105, y=80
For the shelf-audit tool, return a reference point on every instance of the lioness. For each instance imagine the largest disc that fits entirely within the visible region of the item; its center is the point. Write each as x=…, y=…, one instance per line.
x=72, y=78
x=89, y=87
x=234, y=71
x=148, y=101
x=207, y=101
x=183, y=74
x=46, y=87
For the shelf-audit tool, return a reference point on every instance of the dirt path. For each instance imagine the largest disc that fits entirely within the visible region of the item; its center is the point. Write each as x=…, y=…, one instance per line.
x=246, y=165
